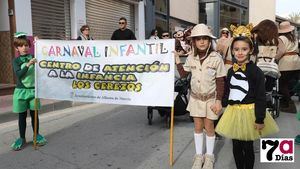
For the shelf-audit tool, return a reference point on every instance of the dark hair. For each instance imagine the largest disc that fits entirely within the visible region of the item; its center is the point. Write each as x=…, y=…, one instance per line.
x=164, y=31
x=195, y=49
x=153, y=31
x=290, y=36
x=244, y=39
x=83, y=27
x=188, y=33
x=123, y=18
x=267, y=33
x=21, y=41
x=174, y=33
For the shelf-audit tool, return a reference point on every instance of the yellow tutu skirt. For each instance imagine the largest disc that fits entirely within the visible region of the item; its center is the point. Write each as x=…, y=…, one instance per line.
x=238, y=122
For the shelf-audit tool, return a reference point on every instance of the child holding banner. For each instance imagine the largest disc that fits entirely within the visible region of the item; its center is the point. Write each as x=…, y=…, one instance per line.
x=24, y=93
x=207, y=87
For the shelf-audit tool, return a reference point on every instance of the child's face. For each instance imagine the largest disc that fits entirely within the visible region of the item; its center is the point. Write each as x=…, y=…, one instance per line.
x=23, y=50
x=241, y=51
x=202, y=42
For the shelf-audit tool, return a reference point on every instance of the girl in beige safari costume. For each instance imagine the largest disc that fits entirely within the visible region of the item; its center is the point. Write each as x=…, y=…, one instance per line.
x=207, y=87
x=289, y=65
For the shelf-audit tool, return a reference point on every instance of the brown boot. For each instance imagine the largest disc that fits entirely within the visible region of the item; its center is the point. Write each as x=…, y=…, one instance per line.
x=290, y=109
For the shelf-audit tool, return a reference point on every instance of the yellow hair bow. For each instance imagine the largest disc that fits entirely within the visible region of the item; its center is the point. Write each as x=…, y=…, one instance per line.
x=236, y=67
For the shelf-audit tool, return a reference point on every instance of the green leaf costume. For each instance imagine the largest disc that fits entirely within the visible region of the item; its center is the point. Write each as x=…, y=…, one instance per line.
x=24, y=93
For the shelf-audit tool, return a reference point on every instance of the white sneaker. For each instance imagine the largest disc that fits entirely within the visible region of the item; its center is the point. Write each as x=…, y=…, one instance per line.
x=198, y=161
x=209, y=162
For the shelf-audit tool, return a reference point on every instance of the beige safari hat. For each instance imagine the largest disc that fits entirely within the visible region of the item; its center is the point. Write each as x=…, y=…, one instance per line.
x=285, y=27
x=201, y=30
x=225, y=29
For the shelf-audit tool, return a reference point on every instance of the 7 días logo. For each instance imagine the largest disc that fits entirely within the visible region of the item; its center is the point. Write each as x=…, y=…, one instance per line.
x=277, y=150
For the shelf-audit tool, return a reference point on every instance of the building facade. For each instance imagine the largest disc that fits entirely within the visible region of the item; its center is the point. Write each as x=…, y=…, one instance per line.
x=170, y=15
x=258, y=12
x=223, y=13
x=174, y=15
x=183, y=15
x=62, y=19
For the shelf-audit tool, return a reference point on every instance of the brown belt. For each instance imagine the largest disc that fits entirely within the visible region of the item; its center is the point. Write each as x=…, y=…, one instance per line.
x=228, y=62
x=203, y=97
x=290, y=54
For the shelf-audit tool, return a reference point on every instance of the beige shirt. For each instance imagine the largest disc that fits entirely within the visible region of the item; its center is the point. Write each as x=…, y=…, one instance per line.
x=289, y=62
x=204, y=75
x=223, y=45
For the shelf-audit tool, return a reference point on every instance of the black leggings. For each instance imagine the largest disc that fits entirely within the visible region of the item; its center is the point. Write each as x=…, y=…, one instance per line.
x=286, y=78
x=22, y=123
x=243, y=153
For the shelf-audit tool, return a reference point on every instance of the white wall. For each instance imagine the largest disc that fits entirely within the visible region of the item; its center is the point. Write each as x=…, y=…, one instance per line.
x=185, y=10
x=139, y=30
x=23, y=16
x=261, y=9
x=78, y=16
x=4, y=19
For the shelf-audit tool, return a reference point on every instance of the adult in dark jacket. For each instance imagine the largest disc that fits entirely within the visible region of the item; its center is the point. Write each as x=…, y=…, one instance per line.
x=123, y=33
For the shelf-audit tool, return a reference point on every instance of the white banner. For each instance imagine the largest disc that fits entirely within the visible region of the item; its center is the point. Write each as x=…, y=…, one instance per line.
x=117, y=72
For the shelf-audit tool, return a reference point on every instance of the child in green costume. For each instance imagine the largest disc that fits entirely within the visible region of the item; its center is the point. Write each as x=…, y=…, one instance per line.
x=24, y=93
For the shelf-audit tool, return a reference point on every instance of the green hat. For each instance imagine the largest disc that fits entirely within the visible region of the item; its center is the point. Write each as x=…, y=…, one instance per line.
x=20, y=35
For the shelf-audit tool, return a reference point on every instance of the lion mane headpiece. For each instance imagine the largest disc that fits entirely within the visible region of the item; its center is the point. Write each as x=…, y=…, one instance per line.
x=241, y=30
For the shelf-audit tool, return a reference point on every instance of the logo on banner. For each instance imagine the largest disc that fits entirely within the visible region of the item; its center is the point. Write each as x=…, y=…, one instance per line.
x=279, y=150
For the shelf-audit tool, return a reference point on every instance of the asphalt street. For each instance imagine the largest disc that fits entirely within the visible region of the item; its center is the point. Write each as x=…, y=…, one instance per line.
x=97, y=136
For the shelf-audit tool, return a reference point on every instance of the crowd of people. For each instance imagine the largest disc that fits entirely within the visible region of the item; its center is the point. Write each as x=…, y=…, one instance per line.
x=225, y=72
x=236, y=71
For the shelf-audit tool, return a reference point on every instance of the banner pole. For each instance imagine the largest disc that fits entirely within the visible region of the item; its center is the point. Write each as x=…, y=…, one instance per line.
x=171, y=136
x=36, y=96
x=35, y=123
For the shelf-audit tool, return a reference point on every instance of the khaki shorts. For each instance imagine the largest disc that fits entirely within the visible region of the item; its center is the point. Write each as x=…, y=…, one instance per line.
x=198, y=108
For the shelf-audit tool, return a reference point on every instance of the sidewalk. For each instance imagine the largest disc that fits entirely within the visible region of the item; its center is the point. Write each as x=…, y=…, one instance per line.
x=114, y=136
x=184, y=148
x=47, y=105
x=119, y=135
x=289, y=127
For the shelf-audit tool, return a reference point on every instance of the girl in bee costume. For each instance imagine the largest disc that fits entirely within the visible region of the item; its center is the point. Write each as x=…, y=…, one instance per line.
x=245, y=118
